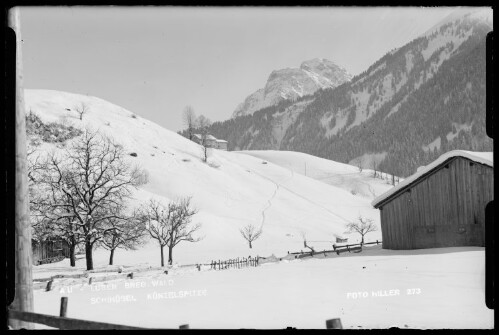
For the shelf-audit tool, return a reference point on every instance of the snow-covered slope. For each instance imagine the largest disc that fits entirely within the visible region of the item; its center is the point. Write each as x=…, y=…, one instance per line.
x=292, y=83
x=340, y=175
x=232, y=190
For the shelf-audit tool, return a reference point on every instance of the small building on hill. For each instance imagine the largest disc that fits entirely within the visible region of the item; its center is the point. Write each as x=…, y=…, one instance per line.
x=441, y=205
x=221, y=145
x=210, y=141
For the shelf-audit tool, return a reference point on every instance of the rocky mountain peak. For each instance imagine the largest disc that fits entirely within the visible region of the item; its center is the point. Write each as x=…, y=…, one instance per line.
x=291, y=83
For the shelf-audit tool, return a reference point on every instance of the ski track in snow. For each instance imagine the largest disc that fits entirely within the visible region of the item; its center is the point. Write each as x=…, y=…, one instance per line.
x=269, y=202
x=298, y=195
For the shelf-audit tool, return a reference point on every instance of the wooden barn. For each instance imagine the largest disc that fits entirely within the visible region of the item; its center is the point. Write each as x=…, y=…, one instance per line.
x=221, y=144
x=441, y=205
x=48, y=251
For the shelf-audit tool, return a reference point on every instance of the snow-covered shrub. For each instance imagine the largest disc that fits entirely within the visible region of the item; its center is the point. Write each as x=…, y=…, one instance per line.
x=214, y=164
x=50, y=132
x=142, y=176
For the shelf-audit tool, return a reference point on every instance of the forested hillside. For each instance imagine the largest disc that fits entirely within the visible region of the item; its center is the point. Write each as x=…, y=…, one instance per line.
x=409, y=107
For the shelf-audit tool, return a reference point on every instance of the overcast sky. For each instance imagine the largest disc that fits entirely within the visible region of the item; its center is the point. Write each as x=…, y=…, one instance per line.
x=154, y=61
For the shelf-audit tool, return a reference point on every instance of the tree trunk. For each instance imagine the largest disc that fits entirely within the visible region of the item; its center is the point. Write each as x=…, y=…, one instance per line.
x=250, y=244
x=72, y=257
x=162, y=256
x=170, y=255
x=362, y=241
x=88, y=254
x=111, y=257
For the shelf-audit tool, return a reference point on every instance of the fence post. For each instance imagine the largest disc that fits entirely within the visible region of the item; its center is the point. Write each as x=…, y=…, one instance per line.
x=334, y=324
x=64, y=307
x=49, y=285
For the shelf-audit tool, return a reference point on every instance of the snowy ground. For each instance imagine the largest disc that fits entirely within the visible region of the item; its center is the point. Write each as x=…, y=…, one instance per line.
x=237, y=188
x=234, y=189
x=344, y=176
x=432, y=288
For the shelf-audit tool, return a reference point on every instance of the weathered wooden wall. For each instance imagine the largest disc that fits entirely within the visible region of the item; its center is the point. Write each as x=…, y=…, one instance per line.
x=443, y=209
x=48, y=249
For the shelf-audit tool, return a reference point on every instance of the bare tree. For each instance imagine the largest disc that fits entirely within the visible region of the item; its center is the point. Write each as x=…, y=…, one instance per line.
x=203, y=123
x=375, y=166
x=90, y=184
x=81, y=109
x=127, y=234
x=170, y=224
x=360, y=163
x=48, y=221
x=250, y=233
x=362, y=226
x=189, y=119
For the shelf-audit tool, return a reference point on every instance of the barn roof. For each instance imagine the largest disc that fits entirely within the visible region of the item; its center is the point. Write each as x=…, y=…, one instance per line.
x=208, y=137
x=485, y=158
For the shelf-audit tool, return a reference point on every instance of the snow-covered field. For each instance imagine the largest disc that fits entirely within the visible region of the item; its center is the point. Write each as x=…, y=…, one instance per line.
x=237, y=188
x=432, y=288
x=233, y=190
x=345, y=176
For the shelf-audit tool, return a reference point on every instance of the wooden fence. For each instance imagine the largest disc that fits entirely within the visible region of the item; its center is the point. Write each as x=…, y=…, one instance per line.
x=63, y=322
x=357, y=247
x=234, y=263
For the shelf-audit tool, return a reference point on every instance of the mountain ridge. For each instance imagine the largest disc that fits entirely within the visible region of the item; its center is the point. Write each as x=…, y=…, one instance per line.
x=291, y=83
x=416, y=102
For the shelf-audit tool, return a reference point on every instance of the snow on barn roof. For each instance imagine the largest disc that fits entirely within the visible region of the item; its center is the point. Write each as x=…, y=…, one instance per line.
x=222, y=141
x=208, y=137
x=479, y=157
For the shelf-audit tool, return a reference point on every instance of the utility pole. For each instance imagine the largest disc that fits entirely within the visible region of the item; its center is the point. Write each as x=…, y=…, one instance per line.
x=23, y=300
